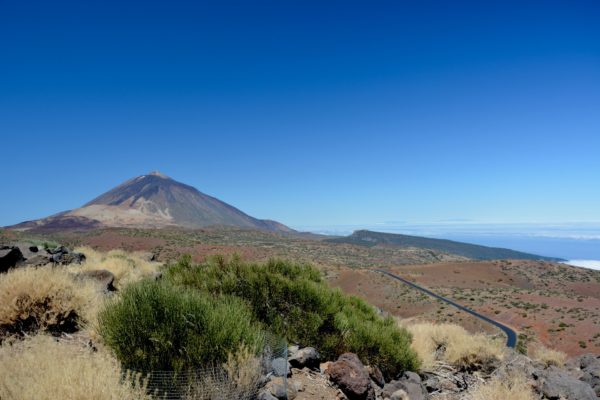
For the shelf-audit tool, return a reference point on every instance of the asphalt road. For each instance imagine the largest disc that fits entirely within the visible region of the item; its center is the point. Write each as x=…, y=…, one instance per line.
x=511, y=335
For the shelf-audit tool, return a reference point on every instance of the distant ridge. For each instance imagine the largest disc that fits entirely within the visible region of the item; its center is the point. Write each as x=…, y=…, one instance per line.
x=153, y=201
x=473, y=251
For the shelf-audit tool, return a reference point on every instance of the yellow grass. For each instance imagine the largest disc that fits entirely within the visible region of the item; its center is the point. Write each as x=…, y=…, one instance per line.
x=512, y=387
x=44, y=297
x=126, y=267
x=238, y=379
x=450, y=343
x=40, y=368
x=548, y=356
x=243, y=368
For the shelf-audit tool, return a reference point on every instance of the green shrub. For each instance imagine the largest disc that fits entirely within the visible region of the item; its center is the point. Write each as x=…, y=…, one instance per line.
x=292, y=300
x=156, y=326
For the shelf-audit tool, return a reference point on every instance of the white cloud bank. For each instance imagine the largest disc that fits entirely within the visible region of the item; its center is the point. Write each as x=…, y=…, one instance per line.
x=591, y=264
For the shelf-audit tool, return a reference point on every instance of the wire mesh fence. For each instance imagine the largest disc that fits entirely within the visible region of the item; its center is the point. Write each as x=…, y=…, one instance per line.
x=241, y=377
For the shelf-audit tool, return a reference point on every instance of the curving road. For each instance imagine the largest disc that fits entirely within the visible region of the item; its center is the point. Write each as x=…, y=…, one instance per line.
x=511, y=335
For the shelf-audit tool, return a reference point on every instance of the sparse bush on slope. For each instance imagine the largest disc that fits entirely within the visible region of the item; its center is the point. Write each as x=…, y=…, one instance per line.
x=293, y=300
x=45, y=299
x=157, y=326
x=548, y=356
x=453, y=344
x=126, y=267
x=511, y=387
x=40, y=368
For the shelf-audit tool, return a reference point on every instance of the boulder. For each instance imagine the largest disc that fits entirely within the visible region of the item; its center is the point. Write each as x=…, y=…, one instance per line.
x=10, y=256
x=33, y=256
x=278, y=388
x=104, y=277
x=37, y=260
x=590, y=367
x=59, y=250
x=280, y=367
x=589, y=361
x=349, y=374
x=307, y=357
x=62, y=255
x=376, y=375
x=265, y=395
x=556, y=383
x=36, y=256
x=409, y=385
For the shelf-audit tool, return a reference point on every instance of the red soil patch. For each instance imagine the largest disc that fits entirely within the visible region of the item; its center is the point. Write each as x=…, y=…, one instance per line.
x=112, y=240
x=554, y=304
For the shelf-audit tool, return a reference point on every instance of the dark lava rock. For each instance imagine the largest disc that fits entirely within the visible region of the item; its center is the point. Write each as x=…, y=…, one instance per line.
x=556, y=383
x=590, y=367
x=349, y=374
x=10, y=256
x=307, y=357
x=376, y=375
x=410, y=383
x=104, y=277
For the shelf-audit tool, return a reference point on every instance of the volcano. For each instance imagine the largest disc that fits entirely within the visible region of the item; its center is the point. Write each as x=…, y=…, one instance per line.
x=153, y=201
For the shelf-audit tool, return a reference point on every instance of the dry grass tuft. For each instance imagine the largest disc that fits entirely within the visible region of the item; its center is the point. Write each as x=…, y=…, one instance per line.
x=239, y=378
x=126, y=267
x=244, y=368
x=40, y=368
x=548, y=356
x=513, y=387
x=451, y=343
x=45, y=299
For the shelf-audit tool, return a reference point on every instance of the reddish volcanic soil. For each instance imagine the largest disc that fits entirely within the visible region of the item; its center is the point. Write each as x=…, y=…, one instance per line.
x=554, y=304
x=107, y=241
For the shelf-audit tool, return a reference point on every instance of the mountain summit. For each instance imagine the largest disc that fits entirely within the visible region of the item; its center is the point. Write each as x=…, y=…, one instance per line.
x=153, y=201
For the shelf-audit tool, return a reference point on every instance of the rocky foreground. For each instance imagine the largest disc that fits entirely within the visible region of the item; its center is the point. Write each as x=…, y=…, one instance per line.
x=305, y=375
x=347, y=378
x=28, y=255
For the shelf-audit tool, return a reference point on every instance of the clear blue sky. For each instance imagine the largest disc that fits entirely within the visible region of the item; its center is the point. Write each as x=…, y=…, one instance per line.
x=311, y=113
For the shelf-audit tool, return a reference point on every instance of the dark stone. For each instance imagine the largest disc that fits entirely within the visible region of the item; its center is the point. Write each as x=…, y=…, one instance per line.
x=349, y=374
x=588, y=361
x=59, y=250
x=376, y=375
x=68, y=258
x=266, y=395
x=10, y=256
x=555, y=383
x=590, y=366
x=280, y=367
x=37, y=260
x=307, y=357
x=104, y=277
x=410, y=383
x=279, y=391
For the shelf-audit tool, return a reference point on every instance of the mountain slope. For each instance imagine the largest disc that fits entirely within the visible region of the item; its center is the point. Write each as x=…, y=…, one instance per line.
x=473, y=251
x=154, y=201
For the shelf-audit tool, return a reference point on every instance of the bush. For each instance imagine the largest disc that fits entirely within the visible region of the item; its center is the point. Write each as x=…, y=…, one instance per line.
x=513, y=387
x=126, y=267
x=292, y=300
x=40, y=368
x=453, y=344
x=548, y=356
x=44, y=299
x=156, y=326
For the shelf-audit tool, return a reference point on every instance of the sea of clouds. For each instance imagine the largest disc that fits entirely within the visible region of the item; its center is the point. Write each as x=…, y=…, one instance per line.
x=578, y=242
x=591, y=264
